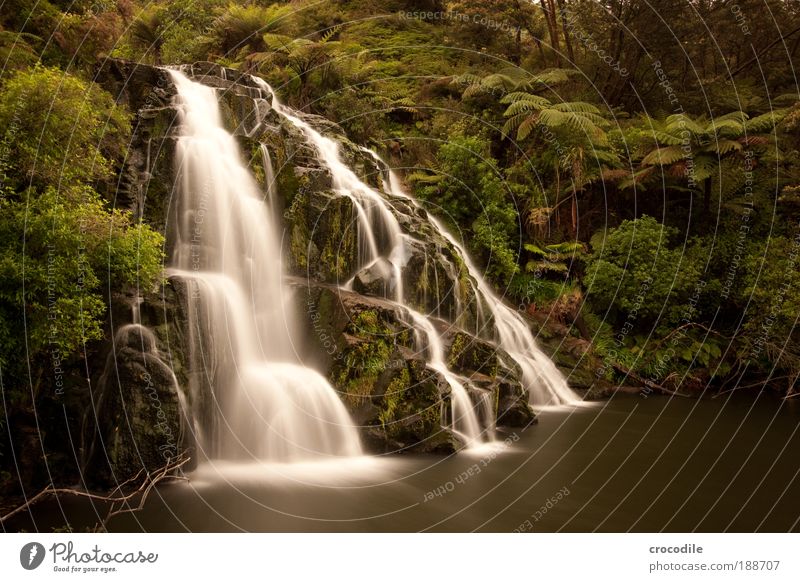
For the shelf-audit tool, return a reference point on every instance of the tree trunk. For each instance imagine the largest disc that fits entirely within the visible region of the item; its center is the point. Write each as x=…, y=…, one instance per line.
x=567, y=42
x=574, y=213
x=516, y=58
x=548, y=8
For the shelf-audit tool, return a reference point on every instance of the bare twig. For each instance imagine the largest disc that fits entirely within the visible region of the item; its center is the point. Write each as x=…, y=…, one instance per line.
x=118, y=498
x=645, y=381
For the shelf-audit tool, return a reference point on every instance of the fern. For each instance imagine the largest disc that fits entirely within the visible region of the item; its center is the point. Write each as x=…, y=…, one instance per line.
x=663, y=156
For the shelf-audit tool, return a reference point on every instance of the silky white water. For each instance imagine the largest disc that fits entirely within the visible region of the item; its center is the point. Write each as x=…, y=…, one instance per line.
x=381, y=242
x=545, y=383
x=265, y=405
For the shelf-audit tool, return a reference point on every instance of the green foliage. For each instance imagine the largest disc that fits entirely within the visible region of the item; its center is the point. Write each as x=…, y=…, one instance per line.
x=59, y=258
x=63, y=249
x=525, y=111
x=242, y=28
x=469, y=191
x=553, y=258
x=635, y=269
x=771, y=286
x=59, y=130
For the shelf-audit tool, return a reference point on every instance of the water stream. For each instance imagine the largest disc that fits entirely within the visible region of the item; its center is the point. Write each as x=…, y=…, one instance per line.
x=266, y=405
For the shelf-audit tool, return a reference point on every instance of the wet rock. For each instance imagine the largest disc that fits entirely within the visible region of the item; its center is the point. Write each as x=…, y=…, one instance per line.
x=142, y=417
x=375, y=279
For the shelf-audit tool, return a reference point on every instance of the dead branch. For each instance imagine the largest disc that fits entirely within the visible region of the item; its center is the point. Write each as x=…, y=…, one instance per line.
x=645, y=381
x=119, y=498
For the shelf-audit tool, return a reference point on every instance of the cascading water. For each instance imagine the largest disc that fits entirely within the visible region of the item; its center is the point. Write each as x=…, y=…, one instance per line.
x=266, y=405
x=382, y=242
x=546, y=385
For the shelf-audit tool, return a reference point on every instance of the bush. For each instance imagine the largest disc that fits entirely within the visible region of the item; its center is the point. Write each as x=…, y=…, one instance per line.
x=634, y=269
x=468, y=190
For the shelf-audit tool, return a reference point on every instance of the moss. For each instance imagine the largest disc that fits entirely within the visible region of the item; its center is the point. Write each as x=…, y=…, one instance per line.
x=470, y=354
x=366, y=358
x=256, y=164
x=287, y=183
x=368, y=321
x=337, y=246
x=394, y=395
x=299, y=246
x=457, y=349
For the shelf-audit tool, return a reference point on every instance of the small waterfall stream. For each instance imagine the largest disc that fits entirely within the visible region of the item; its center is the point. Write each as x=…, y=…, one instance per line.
x=383, y=243
x=266, y=405
x=546, y=385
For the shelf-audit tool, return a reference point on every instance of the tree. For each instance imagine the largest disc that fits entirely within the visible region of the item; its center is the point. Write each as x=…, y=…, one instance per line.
x=241, y=29
x=302, y=56
x=636, y=269
x=574, y=130
x=62, y=247
x=59, y=130
x=147, y=34
x=693, y=149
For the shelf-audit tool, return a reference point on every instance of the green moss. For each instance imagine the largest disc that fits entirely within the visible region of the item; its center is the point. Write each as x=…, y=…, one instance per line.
x=460, y=344
x=395, y=393
x=337, y=247
x=368, y=321
x=366, y=359
x=467, y=353
x=299, y=246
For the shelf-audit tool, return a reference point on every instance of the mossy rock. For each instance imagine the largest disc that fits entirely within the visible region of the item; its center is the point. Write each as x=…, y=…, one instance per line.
x=468, y=354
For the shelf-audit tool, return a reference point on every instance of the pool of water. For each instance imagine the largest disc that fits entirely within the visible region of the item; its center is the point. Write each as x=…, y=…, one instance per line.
x=626, y=464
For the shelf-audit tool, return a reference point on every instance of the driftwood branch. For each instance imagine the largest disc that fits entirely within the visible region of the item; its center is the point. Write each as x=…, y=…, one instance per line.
x=645, y=381
x=119, y=499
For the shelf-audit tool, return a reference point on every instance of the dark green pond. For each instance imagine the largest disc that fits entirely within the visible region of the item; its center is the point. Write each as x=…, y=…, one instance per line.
x=627, y=464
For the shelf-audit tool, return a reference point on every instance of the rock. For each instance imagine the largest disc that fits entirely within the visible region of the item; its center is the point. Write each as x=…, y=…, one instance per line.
x=376, y=279
x=141, y=413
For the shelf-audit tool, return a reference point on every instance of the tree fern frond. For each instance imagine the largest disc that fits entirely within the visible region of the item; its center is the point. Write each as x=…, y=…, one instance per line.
x=663, y=156
x=576, y=107
x=765, y=122
x=523, y=106
x=524, y=97
x=526, y=127
x=637, y=178
x=513, y=123
x=328, y=34
x=725, y=146
x=739, y=116
x=725, y=127
x=664, y=138
x=677, y=123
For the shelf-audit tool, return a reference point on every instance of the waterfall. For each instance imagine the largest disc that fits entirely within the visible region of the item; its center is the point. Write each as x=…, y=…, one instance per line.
x=545, y=383
x=383, y=243
x=264, y=403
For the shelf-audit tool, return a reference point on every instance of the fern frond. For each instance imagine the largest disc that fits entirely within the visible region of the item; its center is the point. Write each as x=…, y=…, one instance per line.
x=725, y=146
x=576, y=107
x=524, y=97
x=765, y=122
x=677, y=123
x=663, y=156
